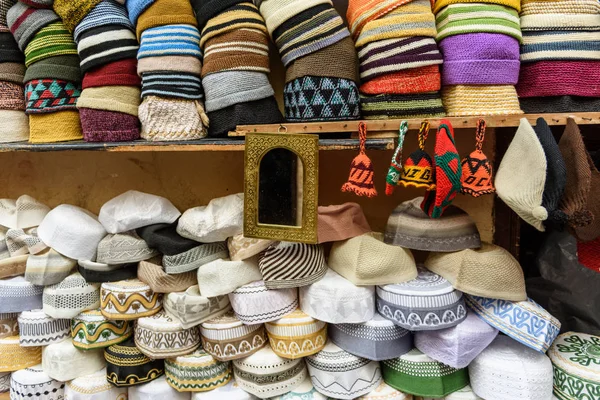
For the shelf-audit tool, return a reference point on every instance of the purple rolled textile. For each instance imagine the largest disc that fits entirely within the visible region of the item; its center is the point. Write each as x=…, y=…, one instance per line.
x=480, y=59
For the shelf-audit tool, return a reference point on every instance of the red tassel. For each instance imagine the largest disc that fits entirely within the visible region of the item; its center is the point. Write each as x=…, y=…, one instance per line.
x=360, y=181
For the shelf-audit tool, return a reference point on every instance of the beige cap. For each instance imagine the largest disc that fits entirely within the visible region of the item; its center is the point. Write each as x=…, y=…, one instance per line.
x=489, y=271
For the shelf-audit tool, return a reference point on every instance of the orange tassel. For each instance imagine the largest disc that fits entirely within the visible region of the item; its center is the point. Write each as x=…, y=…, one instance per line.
x=360, y=181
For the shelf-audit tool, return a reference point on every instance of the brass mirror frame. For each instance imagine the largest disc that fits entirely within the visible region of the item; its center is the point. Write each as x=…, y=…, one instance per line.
x=306, y=147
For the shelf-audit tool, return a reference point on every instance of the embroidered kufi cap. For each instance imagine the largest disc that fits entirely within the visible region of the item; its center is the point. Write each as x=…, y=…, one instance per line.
x=254, y=303
x=459, y=345
x=165, y=239
x=409, y=226
x=134, y=209
x=63, y=361
x=191, y=308
x=25, y=212
x=367, y=260
x=306, y=391
x=515, y=319
x=48, y=267
x=220, y=219
x=426, y=303
x=197, y=372
x=223, y=276
x=490, y=271
x=241, y=248
x=496, y=370
x=265, y=374
x=72, y=231
x=158, y=389
x=341, y=222
x=339, y=374
x=9, y=324
x=95, y=272
x=160, y=336
x=70, y=297
x=385, y=392
x=33, y=382
x=91, y=330
x=151, y=272
x=130, y=299
x=93, y=387
x=122, y=248
x=417, y=374
x=14, y=357
x=296, y=335
x=38, y=329
x=336, y=300
x=290, y=265
x=377, y=339
x=574, y=359
x=16, y=295
x=194, y=258
x=227, y=338
x=126, y=365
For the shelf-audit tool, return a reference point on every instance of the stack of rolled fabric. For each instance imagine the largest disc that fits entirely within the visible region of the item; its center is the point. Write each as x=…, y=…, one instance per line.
x=15, y=125
x=107, y=48
x=52, y=79
x=169, y=62
x=480, y=44
x=560, y=56
x=235, y=71
x=399, y=58
x=320, y=61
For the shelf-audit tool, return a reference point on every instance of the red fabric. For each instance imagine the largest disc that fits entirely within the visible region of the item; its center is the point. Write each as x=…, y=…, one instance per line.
x=415, y=80
x=117, y=73
x=589, y=254
x=559, y=78
x=108, y=126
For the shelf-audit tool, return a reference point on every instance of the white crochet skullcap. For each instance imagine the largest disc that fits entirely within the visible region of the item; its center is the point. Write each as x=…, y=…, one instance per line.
x=72, y=231
x=34, y=383
x=123, y=248
x=222, y=218
x=63, y=361
x=521, y=176
x=68, y=298
x=254, y=303
x=93, y=387
x=133, y=209
x=221, y=277
x=25, y=212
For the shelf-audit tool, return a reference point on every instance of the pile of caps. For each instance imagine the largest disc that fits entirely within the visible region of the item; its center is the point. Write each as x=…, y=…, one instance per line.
x=144, y=301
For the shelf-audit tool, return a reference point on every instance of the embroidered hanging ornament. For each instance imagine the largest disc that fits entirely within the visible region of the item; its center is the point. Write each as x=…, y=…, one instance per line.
x=477, y=169
x=393, y=175
x=447, y=172
x=418, y=169
x=360, y=180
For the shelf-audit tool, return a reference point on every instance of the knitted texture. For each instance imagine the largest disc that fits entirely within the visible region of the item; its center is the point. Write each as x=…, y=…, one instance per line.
x=560, y=45
x=474, y=17
x=476, y=176
x=360, y=181
x=309, y=31
x=9, y=50
x=104, y=44
x=166, y=12
x=447, y=172
x=208, y=9
x=61, y=126
x=439, y=4
x=5, y=5
x=172, y=84
x=417, y=170
x=314, y=98
x=567, y=22
x=12, y=72
x=264, y=111
x=165, y=119
x=11, y=96
x=124, y=99
x=559, y=104
x=394, y=106
x=415, y=80
x=480, y=59
x=14, y=127
x=522, y=188
x=51, y=40
x=243, y=15
x=64, y=68
x=38, y=3
x=276, y=12
x=361, y=12
x=165, y=239
x=591, y=231
x=72, y=12
x=24, y=22
x=108, y=126
x=393, y=55
x=190, y=65
x=224, y=89
x=170, y=40
x=51, y=95
x=558, y=78
x=559, y=7
x=464, y=100
x=136, y=7
x=152, y=273
x=105, y=13
x=117, y=73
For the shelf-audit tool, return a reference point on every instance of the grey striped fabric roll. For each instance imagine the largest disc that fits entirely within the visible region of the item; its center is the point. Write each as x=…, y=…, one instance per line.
x=172, y=84
x=289, y=265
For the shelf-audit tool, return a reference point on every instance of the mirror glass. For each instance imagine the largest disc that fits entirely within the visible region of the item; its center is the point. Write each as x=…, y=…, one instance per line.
x=280, y=187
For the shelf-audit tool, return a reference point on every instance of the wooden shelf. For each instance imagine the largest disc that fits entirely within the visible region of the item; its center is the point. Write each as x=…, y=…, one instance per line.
x=225, y=144
x=385, y=128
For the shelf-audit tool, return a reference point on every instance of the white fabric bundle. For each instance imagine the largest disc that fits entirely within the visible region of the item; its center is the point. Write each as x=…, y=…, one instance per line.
x=221, y=277
x=63, y=361
x=222, y=218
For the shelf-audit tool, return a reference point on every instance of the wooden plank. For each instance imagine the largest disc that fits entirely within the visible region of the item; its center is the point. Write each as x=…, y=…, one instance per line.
x=390, y=127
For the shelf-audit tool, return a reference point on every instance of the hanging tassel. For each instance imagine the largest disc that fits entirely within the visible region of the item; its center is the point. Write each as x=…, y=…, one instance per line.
x=476, y=168
x=360, y=180
x=391, y=180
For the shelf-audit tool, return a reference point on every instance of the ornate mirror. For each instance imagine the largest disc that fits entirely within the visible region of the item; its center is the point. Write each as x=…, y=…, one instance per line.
x=281, y=187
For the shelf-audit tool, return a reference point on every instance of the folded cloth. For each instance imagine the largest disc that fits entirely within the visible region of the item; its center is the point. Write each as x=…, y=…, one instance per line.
x=164, y=238
x=223, y=89
x=167, y=119
x=64, y=68
x=124, y=99
x=116, y=73
x=393, y=106
x=11, y=96
x=560, y=45
x=105, y=13
x=466, y=100
x=51, y=95
x=178, y=85
x=559, y=78
x=151, y=272
x=12, y=72
x=165, y=12
x=191, y=308
x=415, y=80
x=52, y=40
x=25, y=21
x=108, y=126
x=170, y=40
x=72, y=12
x=264, y=111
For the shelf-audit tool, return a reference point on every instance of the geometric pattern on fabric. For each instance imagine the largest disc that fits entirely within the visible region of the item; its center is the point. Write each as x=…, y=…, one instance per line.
x=51, y=95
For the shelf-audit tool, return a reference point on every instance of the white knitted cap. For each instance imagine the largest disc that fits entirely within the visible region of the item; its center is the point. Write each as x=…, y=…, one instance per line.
x=14, y=127
x=191, y=308
x=72, y=231
x=63, y=361
x=123, y=248
x=25, y=212
x=222, y=277
x=93, y=387
x=133, y=209
x=521, y=176
x=254, y=303
x=68, y=298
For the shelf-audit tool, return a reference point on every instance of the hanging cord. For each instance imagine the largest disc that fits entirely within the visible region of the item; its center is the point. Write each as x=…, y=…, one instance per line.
x=423, y=133
x=480, y=134
x=362, y=137
x=393, y=175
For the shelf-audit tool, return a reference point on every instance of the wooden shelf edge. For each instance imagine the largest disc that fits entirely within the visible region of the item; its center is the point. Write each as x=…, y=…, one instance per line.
x=392, y=125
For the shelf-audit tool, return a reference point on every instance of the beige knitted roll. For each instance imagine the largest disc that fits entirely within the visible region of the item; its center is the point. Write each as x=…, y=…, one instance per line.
x=152, y=273
x=125, y=99
x=466, y=100
x=172, y=119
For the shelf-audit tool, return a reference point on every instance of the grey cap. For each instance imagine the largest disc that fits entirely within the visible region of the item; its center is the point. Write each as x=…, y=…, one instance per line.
x=123, y=248
x=195, y=258
x=26, y=29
